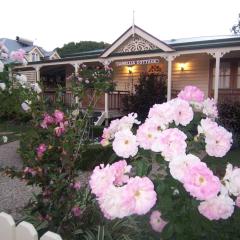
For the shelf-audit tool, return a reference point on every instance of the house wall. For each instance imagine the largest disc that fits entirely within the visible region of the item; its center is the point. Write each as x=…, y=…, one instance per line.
x=196, y=72
x=30, y=74
x=123, y=78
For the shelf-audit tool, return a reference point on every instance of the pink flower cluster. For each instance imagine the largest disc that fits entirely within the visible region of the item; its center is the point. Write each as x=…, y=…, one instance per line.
x=171, y=143
x=124, y=123
x=191, y=94
x=41, y=149
x=119, y=195
x=57, y=118
x=176, y=110
x=18, y=56
x=195, y=97
x=218, y=139
x=202, y=184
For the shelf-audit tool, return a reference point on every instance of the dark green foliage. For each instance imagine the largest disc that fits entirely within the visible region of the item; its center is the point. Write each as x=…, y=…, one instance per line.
x=10, y=105
x=151, y=90
x=82, y=46
x=11, y=99
x=229, y=117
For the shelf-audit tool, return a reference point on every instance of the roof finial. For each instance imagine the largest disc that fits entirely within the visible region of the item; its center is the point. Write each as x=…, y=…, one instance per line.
x=133, y=24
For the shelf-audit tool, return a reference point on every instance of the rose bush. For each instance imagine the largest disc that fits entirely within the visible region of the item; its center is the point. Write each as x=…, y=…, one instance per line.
x=191, y=197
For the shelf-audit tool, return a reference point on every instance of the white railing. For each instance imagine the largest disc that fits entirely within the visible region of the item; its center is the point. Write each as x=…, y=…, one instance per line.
x=23, y=231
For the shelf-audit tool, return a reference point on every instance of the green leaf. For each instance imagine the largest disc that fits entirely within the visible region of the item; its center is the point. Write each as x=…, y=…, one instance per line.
x=101, y=233
x=142, y=167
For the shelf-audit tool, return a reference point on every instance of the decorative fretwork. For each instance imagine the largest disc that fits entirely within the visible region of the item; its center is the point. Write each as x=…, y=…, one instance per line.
x=136, y=44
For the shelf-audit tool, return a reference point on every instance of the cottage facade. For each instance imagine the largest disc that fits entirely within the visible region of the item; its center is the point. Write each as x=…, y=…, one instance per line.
x=210, y=63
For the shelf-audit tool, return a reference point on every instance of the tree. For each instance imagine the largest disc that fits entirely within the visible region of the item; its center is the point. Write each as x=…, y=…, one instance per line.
x=151, y=89
x=81, y=46
x=236, y=28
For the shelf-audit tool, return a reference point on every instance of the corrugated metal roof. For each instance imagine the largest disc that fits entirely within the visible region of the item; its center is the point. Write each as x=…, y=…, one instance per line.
x=200, y=39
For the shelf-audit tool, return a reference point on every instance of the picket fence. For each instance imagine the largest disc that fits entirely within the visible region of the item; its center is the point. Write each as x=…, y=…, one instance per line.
x=23, y=231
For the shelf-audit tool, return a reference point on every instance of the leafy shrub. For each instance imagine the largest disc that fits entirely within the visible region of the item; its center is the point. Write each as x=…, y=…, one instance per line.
x=229, y=117
x=150, y=90
x=11, y=99
x=53, y=150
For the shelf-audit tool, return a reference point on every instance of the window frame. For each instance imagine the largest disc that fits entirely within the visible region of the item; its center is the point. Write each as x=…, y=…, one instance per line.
x=233, y=72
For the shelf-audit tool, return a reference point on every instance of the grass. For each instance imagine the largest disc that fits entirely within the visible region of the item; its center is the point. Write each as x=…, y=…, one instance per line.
x=13, y=130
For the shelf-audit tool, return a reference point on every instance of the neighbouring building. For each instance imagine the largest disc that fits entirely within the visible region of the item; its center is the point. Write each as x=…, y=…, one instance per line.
x=210, y=63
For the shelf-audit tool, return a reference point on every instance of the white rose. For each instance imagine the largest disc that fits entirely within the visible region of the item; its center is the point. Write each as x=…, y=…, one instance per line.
x=25, y=106
x=3, y=86
x=36, y=88
x=179, y=165
x=1, y=66
x=22, y=79
x=232, y=180
x=5, y=139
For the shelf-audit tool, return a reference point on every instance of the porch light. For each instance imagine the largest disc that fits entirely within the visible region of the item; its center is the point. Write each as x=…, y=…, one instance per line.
x=130, y=69
x=182, y=66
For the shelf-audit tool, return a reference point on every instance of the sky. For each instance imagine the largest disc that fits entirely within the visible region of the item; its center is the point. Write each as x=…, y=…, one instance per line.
x=51, y=23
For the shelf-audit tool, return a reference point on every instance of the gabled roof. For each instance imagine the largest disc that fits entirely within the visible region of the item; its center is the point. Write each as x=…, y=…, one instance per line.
x=141, y=33
x=14, y=45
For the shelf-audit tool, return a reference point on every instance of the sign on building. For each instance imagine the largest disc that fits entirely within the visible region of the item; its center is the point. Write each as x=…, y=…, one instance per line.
x=138, y=62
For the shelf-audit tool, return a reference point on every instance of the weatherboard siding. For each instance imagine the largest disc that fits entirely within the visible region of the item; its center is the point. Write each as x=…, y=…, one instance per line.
x=196, y=72
x=31, y=75
x=123, y=79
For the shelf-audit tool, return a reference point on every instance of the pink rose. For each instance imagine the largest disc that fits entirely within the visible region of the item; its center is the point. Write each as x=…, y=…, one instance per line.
x=41, y=149
x=30, y=171
x=59, y=130
x=147, y=133
x=59, y=116
x=141, y=194
x=120, y=170
x=219, y=207
x=171, y=143
x=163, y=113
x=48, y=120
x=116, y=203
x=183, y=113
x=237, y=202
x=157, y=222
x=76, y=211
x=200, y=181
x=101, y=179
x=125, y=144
x=191, y=94
x=76, y=185
x=218, y=141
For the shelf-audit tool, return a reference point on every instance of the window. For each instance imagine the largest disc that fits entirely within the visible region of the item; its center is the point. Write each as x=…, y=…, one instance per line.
x=33, y=57
x=224, y=75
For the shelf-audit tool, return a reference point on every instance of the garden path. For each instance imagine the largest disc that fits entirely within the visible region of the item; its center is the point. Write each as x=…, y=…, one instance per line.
x=14, y=194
